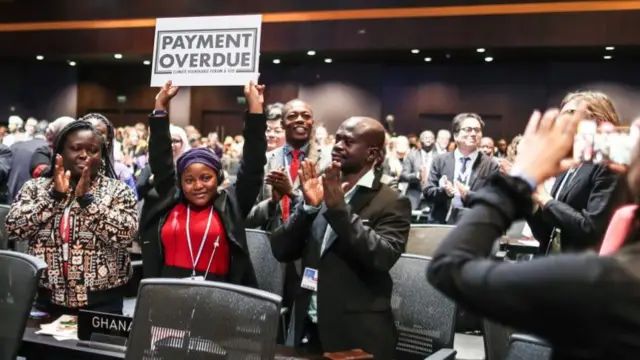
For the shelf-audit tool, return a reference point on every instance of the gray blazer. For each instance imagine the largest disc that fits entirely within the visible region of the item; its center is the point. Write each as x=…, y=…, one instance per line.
x=265, y=211
x=411, y=167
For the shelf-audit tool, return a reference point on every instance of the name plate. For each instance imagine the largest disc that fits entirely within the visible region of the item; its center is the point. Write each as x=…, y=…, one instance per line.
x=94, y=326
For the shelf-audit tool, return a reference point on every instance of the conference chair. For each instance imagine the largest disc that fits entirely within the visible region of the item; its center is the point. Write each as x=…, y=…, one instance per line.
x=4, y=241
x=496, y=340
x=425, y=318
x=19, y=276
x=269, y=272
x=527, y=347
x=187, y=319
x=425, y=238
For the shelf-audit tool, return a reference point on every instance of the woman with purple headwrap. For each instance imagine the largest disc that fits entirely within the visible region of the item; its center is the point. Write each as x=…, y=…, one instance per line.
x=195, y=230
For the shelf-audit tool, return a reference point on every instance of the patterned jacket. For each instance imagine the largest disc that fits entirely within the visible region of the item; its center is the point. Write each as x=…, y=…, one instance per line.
x=99, y=235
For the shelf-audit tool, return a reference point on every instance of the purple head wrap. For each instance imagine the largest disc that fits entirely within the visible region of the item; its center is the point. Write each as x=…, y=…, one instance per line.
x=198, y=155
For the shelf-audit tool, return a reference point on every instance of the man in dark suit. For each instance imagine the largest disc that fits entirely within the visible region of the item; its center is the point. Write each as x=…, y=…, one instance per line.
x=455, y=176
x=349, y=231
x=415, y=168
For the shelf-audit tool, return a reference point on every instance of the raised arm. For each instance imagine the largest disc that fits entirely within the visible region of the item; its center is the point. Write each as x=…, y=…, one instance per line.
x=251, y=174
x=160, y=152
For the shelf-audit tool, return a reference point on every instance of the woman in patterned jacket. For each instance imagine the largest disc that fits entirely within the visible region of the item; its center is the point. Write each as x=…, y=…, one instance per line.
x=79, y=220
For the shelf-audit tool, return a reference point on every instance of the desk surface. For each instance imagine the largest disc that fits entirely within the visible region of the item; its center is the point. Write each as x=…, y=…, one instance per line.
x=47, y=343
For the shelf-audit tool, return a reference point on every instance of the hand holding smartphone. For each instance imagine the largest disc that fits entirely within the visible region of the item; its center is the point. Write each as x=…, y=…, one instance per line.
x=604, y=144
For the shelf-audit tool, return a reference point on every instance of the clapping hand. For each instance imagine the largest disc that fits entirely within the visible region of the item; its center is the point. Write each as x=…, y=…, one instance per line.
x=85, y=180
x=462, y=189
x=61, y=177
x=254, y=94
x=167, y=92
x=312, y=188
x=333, y=189
x=280, y=184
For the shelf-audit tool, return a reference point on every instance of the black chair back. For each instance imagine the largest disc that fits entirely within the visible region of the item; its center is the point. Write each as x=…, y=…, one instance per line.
x=526, y=347
x=186, y=319
x=4, y=241
x=269, y=272
x=425, y=238
x=425, y=318
x=496, y=340
x=19, y=276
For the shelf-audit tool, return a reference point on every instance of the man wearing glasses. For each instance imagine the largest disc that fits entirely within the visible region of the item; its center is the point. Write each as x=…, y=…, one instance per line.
x=455, y=176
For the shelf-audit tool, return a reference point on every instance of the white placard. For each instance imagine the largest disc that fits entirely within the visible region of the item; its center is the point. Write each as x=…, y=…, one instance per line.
x=206, y=51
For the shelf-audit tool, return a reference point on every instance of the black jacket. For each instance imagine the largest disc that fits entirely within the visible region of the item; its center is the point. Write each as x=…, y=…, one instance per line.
x=582, y=211
x=587, y=307
x=354, y=285
x=232, y=204
x=444, y=165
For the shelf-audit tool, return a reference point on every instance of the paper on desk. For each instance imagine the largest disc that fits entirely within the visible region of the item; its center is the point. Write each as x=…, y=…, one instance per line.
x=534, y=243
x=64, y=328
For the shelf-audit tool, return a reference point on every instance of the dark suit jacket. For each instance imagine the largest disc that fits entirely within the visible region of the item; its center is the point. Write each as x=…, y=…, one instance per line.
x=354, y=285
x=582, y=211
x=411, y=167
x=444, y=164
x=21, y=164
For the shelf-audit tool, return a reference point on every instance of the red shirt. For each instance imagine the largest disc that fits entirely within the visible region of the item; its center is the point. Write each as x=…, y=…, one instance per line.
x=176, y=248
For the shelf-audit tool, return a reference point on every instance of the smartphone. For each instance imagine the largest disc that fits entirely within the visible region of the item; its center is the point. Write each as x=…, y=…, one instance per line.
x=604, y=144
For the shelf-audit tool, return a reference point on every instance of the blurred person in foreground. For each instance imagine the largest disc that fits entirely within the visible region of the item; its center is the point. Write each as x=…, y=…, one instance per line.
x=79, y=219
x=586, y=306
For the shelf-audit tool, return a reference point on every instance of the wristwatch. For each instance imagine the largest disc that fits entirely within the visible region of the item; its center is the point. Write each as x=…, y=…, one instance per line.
x=159, y=113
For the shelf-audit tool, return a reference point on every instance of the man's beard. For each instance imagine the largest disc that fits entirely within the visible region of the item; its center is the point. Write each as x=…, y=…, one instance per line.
x=427, y=148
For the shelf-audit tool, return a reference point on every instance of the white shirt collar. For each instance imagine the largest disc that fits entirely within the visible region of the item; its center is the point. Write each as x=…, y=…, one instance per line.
x=473, y=156
x=365, y=181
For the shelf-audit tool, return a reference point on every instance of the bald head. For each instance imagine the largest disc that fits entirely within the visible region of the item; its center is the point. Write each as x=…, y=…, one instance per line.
x=359, y=144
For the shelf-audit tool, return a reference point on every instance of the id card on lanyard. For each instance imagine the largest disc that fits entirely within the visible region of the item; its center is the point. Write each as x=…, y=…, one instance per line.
x=196, y=259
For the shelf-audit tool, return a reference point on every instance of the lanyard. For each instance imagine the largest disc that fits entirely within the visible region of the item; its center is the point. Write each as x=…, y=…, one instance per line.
x=204, y=240
x=567, y=178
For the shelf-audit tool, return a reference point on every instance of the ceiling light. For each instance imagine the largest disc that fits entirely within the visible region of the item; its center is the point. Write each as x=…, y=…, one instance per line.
x=147, y=62
x=415, y=51
x=40, y=57
x=311, y=52
x=328, y=61
x=276, y=61
x=488, y=59
x=427, y=59
x=608, y=57
x=72, y=63
x=117, y=56
x=610, y=48
x=480, y=50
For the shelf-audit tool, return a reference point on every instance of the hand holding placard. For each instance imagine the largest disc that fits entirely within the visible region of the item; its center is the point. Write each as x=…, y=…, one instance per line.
x=255, y=97
x=167, y=92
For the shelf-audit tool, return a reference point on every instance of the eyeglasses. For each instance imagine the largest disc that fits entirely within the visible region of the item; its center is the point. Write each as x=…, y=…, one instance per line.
x=469, y=129
x=176, y=141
